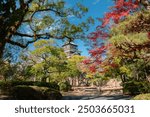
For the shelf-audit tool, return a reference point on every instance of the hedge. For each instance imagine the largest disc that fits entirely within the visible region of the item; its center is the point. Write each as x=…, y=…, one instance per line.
x=136, y=87
x=30, y=90
x=23, y=92
x=142, y=97
x=9, y=84
x=64, y=86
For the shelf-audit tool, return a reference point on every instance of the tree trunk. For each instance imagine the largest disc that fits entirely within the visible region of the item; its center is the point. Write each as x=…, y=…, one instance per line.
x=2, y=47
x=43, y=79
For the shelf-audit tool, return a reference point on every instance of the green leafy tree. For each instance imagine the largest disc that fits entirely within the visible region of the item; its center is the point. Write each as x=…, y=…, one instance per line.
x=25, y=21
x=8, y=71
x=74, y=70
x=73, y=65
x=130, y=47
x=49, y=61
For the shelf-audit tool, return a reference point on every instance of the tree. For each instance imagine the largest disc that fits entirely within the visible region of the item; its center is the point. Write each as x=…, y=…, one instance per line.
x=73, y=65
x=74, y=70
x=121, y=42
x=131, y=47
x=48, y=61
x=118, y=13
x=15, y=71
x=25, y=21
x=6, y=70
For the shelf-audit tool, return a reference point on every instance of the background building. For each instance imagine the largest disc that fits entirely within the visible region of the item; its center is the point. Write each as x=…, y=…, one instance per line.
x=70, y=48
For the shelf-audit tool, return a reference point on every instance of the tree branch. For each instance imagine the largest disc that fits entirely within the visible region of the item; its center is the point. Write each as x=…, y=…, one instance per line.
x=20, y=44
x=37, y=37
x=23, y=35
x=42, y=35
x=48, y=9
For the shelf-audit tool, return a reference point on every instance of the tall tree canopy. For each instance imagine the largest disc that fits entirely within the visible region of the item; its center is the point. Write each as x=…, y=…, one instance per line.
x=26, y=21
x=122, y=41
x=47, y=61
x=74, y=64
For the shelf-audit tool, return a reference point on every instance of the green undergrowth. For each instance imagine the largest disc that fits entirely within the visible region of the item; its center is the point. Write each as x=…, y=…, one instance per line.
x=142, y=97
x=30, y=90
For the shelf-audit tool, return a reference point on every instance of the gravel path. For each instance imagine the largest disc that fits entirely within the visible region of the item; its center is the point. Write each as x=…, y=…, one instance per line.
x=112, y=97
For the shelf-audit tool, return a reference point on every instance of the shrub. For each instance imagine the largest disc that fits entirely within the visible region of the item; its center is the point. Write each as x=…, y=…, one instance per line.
x=19, y=82
x=22, y=92
x=51, y=85
x=29, y=90
x=52, y=95
x=9, y=84
x=64, y=86
x=142, y=97
x=136, y=87
x=5, y=85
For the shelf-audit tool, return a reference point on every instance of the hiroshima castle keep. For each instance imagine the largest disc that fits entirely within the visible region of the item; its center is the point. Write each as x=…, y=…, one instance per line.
x=70, y=48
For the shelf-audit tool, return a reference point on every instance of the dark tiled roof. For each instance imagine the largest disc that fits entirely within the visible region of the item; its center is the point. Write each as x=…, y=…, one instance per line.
x=69, y=43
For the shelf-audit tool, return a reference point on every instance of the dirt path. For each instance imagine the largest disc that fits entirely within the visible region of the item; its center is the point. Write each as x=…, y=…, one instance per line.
x=87, y=97
x=92, y=93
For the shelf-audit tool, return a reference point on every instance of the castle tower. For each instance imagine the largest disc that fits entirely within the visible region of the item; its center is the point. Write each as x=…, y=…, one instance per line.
x=70, y=48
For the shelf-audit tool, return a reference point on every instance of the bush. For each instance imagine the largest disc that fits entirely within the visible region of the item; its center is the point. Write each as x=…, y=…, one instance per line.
x=142, y=97
x=22, y=92
x=52, y=95
x=136, y=87
x=64, y=86
x=29, y=90
x=51, y=85
x=9, y=84
x=5, y=86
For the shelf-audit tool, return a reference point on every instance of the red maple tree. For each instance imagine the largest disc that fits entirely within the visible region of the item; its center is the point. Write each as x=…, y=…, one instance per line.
x=119, y=11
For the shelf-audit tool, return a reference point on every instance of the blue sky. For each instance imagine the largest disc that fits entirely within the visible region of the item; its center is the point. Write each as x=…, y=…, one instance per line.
x=97, y=9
